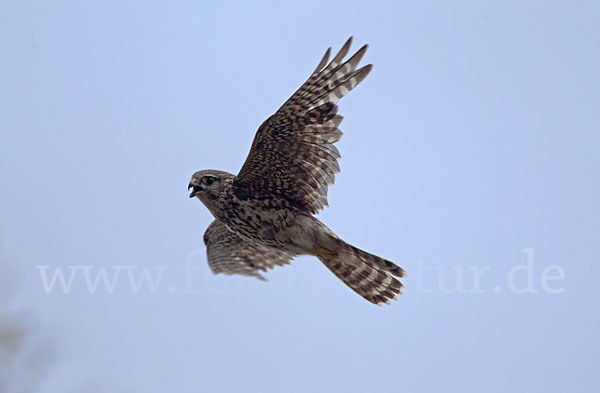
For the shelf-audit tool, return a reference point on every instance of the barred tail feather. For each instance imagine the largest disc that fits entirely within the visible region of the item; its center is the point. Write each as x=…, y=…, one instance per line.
x=370, y=276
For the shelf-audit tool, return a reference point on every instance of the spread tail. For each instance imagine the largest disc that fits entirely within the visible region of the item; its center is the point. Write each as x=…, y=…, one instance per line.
x=370, y=276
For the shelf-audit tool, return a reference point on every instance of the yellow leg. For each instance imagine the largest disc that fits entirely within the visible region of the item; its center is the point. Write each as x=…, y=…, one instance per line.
x=325, y=253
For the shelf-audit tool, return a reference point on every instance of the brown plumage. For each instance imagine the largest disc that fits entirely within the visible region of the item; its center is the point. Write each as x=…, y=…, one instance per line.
x=264, y=215
x=229, y=254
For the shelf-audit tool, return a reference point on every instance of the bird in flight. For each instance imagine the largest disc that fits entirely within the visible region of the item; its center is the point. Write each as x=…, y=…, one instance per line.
x=264, y=216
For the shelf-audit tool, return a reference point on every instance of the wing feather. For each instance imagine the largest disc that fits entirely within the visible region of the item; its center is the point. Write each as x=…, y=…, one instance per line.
x=230, y=254
x=292, y=155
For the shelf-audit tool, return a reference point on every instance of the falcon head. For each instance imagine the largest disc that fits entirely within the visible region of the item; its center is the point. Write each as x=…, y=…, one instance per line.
x=208, y=184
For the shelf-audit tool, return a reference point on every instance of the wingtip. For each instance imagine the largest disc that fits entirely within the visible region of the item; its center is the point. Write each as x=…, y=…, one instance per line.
x=344, y=51
x=362, y=73
x=367, y=70
x=323, y=61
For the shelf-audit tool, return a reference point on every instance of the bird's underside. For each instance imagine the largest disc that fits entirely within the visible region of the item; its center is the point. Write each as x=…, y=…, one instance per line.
x=264, y=215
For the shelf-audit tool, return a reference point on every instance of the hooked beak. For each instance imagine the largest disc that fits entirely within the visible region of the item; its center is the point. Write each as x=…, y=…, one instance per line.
x=195, y=189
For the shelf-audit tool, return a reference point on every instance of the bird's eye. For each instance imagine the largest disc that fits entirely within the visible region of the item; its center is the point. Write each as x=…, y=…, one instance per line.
x=208, y=180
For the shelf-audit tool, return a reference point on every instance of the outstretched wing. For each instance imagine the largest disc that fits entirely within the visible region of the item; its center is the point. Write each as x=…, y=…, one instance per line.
x=230, y=254
x=293, y=156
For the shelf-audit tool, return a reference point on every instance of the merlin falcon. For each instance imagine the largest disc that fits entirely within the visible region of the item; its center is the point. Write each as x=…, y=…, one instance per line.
x=264, y=216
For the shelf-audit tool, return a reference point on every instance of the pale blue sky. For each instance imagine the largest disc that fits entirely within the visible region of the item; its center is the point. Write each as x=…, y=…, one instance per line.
x=475, y=137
